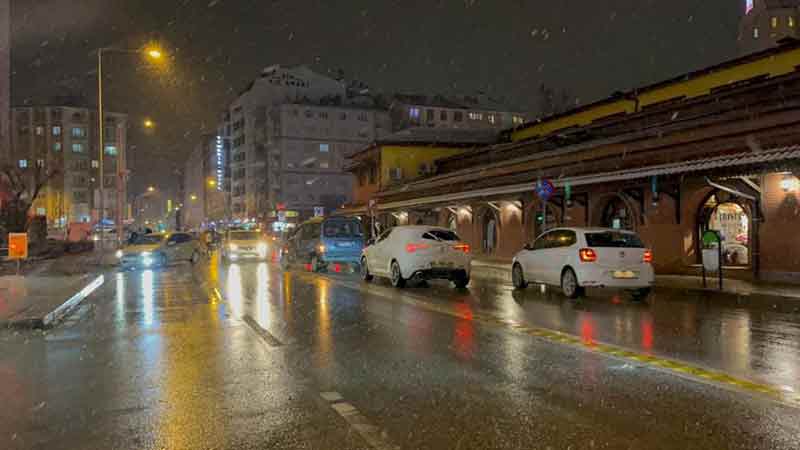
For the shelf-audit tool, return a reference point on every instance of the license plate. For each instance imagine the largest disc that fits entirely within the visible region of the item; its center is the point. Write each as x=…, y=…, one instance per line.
x=442, y=265
x=625, y=274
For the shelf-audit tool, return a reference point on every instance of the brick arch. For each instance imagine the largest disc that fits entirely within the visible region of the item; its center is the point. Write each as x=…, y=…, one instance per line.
x=532, y=229
x=602, y=202
x=480, y=219
x=703, y=215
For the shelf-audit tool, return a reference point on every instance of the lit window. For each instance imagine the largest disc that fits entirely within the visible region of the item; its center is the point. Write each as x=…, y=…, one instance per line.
x=492, y=119
x=773, y=22
x=39, y=131
x=56, y=146
x=95, y=164
x=324, y=148
x=111, y=150
x=413, y=113
x=39, y=163
x=323, y=165
x=517, y=120
x=755, y=33
x=78, y=132
x=77, y=148
x=23, y=163
x=791, y=22
x=56, y=131
x=475, y=116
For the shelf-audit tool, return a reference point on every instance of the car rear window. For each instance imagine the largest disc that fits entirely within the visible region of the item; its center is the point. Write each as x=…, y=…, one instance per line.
x=613, y=239
x=342, y=229
x=441, y=235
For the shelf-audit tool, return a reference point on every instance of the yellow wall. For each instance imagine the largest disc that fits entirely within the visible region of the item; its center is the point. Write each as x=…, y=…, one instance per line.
x=409, y=159
x=775, y=64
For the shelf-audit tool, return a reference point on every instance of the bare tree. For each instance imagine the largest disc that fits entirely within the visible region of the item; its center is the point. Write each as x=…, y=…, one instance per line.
x=23, y=186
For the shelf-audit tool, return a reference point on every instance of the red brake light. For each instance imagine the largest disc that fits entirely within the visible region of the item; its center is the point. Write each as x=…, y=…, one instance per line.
x=648, y=256
x=462, y=248
x=587, y=255
x=411, y=248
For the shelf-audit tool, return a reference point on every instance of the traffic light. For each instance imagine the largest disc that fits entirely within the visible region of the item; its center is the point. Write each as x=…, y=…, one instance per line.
x=540, y=217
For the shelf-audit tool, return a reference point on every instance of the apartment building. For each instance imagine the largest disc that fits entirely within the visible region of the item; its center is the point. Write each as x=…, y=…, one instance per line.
x=288, y=132
x=205, y=178
x=472, y=112
x=5, y=77
x=766, y=22
x=64, y=139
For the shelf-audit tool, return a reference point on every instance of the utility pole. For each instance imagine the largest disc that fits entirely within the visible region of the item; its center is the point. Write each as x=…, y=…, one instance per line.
x=100, y=131
x=5, y=79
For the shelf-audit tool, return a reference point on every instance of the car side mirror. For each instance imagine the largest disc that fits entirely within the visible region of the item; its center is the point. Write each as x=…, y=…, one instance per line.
x=528, y=246
x=370, y=241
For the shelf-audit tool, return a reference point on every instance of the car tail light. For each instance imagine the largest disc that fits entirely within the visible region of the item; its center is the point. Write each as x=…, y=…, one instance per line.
x=411, y=248
x=587, y=255
x=648, y=256
x=462, y=248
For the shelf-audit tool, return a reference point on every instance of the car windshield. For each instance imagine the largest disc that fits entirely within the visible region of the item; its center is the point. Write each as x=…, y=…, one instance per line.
x=441, y=235
x=246, y=236
x=148, y=239
x=342, y=229
x=613, y=239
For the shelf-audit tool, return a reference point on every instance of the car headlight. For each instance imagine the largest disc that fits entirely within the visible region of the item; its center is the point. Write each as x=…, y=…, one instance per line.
x=146, y=254
x=118, y=254
x=233, y=247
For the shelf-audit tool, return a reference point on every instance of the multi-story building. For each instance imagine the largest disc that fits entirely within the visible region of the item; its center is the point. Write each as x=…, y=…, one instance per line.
x=307, y=148
x=477, y=112
x=205, y=179
x=63, y=140
x=288, y=133
x=765, y=22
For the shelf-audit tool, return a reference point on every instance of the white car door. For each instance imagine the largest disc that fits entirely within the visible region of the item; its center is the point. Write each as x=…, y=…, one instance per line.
x=561, y=244
x=374, y=253
x=533, y=260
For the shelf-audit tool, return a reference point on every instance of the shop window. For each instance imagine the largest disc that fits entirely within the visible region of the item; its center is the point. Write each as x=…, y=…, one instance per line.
x=733, y=222
x=618, y=215
x=490, y=231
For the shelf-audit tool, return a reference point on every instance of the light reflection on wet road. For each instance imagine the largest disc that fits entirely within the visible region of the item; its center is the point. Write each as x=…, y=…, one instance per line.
x=162, y=362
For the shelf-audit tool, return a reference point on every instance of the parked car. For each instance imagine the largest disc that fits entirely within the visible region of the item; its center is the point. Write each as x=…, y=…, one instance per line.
x=417, y=252
x=577, y=258
x=159, y=249
x=241, y=244
x=320, y=242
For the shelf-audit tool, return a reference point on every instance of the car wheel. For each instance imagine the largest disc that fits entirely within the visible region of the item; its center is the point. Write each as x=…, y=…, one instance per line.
x=518, y=277
x=397, y=277
x=641, y=294
x=461, y=281
x=569, y=284
x=365, y=275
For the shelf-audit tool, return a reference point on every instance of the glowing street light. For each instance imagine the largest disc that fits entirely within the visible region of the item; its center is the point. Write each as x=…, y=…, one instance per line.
x=154, y=53
x=151, y=189
x=149, y=123
x=193, y=197
x=212, y=182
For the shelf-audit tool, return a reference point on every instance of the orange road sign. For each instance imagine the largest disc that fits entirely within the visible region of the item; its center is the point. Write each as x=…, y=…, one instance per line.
x=17, y=245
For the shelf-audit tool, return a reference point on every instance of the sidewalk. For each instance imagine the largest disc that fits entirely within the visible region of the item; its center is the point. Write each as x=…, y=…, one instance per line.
x=49, y=290
x=500, y=270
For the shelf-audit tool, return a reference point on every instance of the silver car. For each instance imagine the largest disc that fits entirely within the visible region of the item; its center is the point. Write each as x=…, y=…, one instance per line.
x=159, y=250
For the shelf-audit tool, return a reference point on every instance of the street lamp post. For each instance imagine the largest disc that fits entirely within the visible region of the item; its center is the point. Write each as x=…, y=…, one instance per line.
x=154, y=54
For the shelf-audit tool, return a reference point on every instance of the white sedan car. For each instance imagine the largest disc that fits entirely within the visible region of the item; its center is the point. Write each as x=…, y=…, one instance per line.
x=419, y=253
x=577, y=258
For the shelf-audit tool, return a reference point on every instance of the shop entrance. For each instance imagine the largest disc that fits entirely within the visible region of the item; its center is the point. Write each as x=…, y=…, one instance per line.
x=733, y=220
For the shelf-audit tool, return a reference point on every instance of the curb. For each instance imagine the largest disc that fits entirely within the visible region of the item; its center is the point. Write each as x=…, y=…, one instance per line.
x=51, y=318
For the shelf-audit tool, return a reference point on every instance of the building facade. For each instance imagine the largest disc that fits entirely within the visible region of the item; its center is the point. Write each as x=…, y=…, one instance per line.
x=478, y=112
x=204, y=185
x=289, y=132
x=716, y=149
x=766, y=22
x=63, y=140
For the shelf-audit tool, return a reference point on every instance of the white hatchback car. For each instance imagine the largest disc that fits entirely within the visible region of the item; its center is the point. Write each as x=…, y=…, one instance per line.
x=577, y=258
x=417, y=252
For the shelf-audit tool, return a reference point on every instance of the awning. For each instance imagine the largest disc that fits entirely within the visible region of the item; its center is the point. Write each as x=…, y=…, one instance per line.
x=700, y=165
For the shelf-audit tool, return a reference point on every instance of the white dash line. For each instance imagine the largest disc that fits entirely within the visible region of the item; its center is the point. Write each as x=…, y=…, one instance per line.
x=370, y=433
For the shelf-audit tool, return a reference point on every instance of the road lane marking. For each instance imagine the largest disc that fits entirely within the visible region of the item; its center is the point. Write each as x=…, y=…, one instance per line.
x=678, y=368
x=370, y=433
x=265, y=335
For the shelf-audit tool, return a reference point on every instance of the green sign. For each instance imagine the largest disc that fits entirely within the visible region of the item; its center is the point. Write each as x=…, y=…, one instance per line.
x=710, y=237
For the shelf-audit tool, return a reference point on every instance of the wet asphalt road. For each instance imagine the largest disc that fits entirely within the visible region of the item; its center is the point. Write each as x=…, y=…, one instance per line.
x=247, y=356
